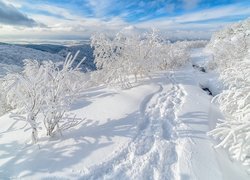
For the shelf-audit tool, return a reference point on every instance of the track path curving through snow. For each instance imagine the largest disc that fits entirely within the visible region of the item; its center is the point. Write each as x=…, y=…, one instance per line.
x=171, y=142
x=152, y=153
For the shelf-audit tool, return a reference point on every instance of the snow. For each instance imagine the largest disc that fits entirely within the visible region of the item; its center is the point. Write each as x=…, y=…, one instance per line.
x=156, y=130
x=11, y=54
x=11, y=57
x=104, y=128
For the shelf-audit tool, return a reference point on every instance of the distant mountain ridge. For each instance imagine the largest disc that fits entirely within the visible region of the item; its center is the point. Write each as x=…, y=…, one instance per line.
x=51, y=48
x=13, y=55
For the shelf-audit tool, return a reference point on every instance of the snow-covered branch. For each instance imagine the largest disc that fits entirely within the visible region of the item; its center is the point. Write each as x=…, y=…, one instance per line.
x=231, y=51
x=45, y=88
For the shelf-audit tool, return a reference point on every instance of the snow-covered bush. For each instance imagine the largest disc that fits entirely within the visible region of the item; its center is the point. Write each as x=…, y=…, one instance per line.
x=45, y=88
x=231, y=50
x=120, y=60
x=233, y=132
x=230, y=45
x=173, y=55
x=25, y=92
x=3, y=101
x=107, y=60
x=62, y=87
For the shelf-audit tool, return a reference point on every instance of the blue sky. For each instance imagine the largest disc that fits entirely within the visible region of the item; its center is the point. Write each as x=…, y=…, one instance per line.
x=81, y=18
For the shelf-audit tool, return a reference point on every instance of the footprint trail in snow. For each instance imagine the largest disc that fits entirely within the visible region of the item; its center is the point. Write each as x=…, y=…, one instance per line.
x=152, y=153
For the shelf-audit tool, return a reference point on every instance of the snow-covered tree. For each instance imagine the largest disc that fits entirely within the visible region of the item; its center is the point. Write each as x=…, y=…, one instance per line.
x=108, y=60
x=62, y=87
x=229, y=45
x=25, y=91
x=231, y=50
x=120, y=60
x=43, y=88
x=174, y=55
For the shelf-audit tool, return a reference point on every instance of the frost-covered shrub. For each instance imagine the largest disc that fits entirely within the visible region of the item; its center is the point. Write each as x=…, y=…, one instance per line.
x=3, y=102
x=107, y=60
x=233, y=132
x=120, y=60
x=230, y=45
x=231, y=51
x=173, y=55
x=62, y=87
x=45, y=88
x=25, y=92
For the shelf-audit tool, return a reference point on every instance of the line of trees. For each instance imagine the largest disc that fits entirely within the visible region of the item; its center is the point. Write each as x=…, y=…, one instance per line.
x=231, y=50
x=120, y=60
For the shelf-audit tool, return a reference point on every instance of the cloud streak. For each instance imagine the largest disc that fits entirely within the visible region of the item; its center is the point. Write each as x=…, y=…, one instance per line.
x=210, y=18
x=11, y=16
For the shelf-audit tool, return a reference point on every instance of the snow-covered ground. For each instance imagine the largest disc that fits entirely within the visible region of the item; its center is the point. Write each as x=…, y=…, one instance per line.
x=156, y=130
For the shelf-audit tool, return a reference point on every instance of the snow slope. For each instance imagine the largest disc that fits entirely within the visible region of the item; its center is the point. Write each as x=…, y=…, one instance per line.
x=11, y=54
x=11, y=57
x=156, y=130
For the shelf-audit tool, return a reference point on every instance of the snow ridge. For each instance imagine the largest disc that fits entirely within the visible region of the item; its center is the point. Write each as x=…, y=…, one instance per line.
x=152, y=153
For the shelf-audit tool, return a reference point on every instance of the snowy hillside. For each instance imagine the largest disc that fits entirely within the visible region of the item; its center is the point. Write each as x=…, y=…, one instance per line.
x=151, y=110
x=11, y=57
x=158, y=131
x=51, y=48
x=11, y=54
x=84, y=48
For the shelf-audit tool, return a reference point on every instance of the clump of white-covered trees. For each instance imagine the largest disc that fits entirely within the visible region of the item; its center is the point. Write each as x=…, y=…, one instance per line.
x=120, y=60
x=45, y=88
x=231, y=50
x=42, y=93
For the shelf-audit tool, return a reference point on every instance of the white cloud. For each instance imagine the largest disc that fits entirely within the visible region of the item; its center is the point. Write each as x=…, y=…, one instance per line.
x=194, y=20
x=71, y=25
x=101, y=8
x=214, y=13
x=190, y=4
x=15, y=3
x=67, y=23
